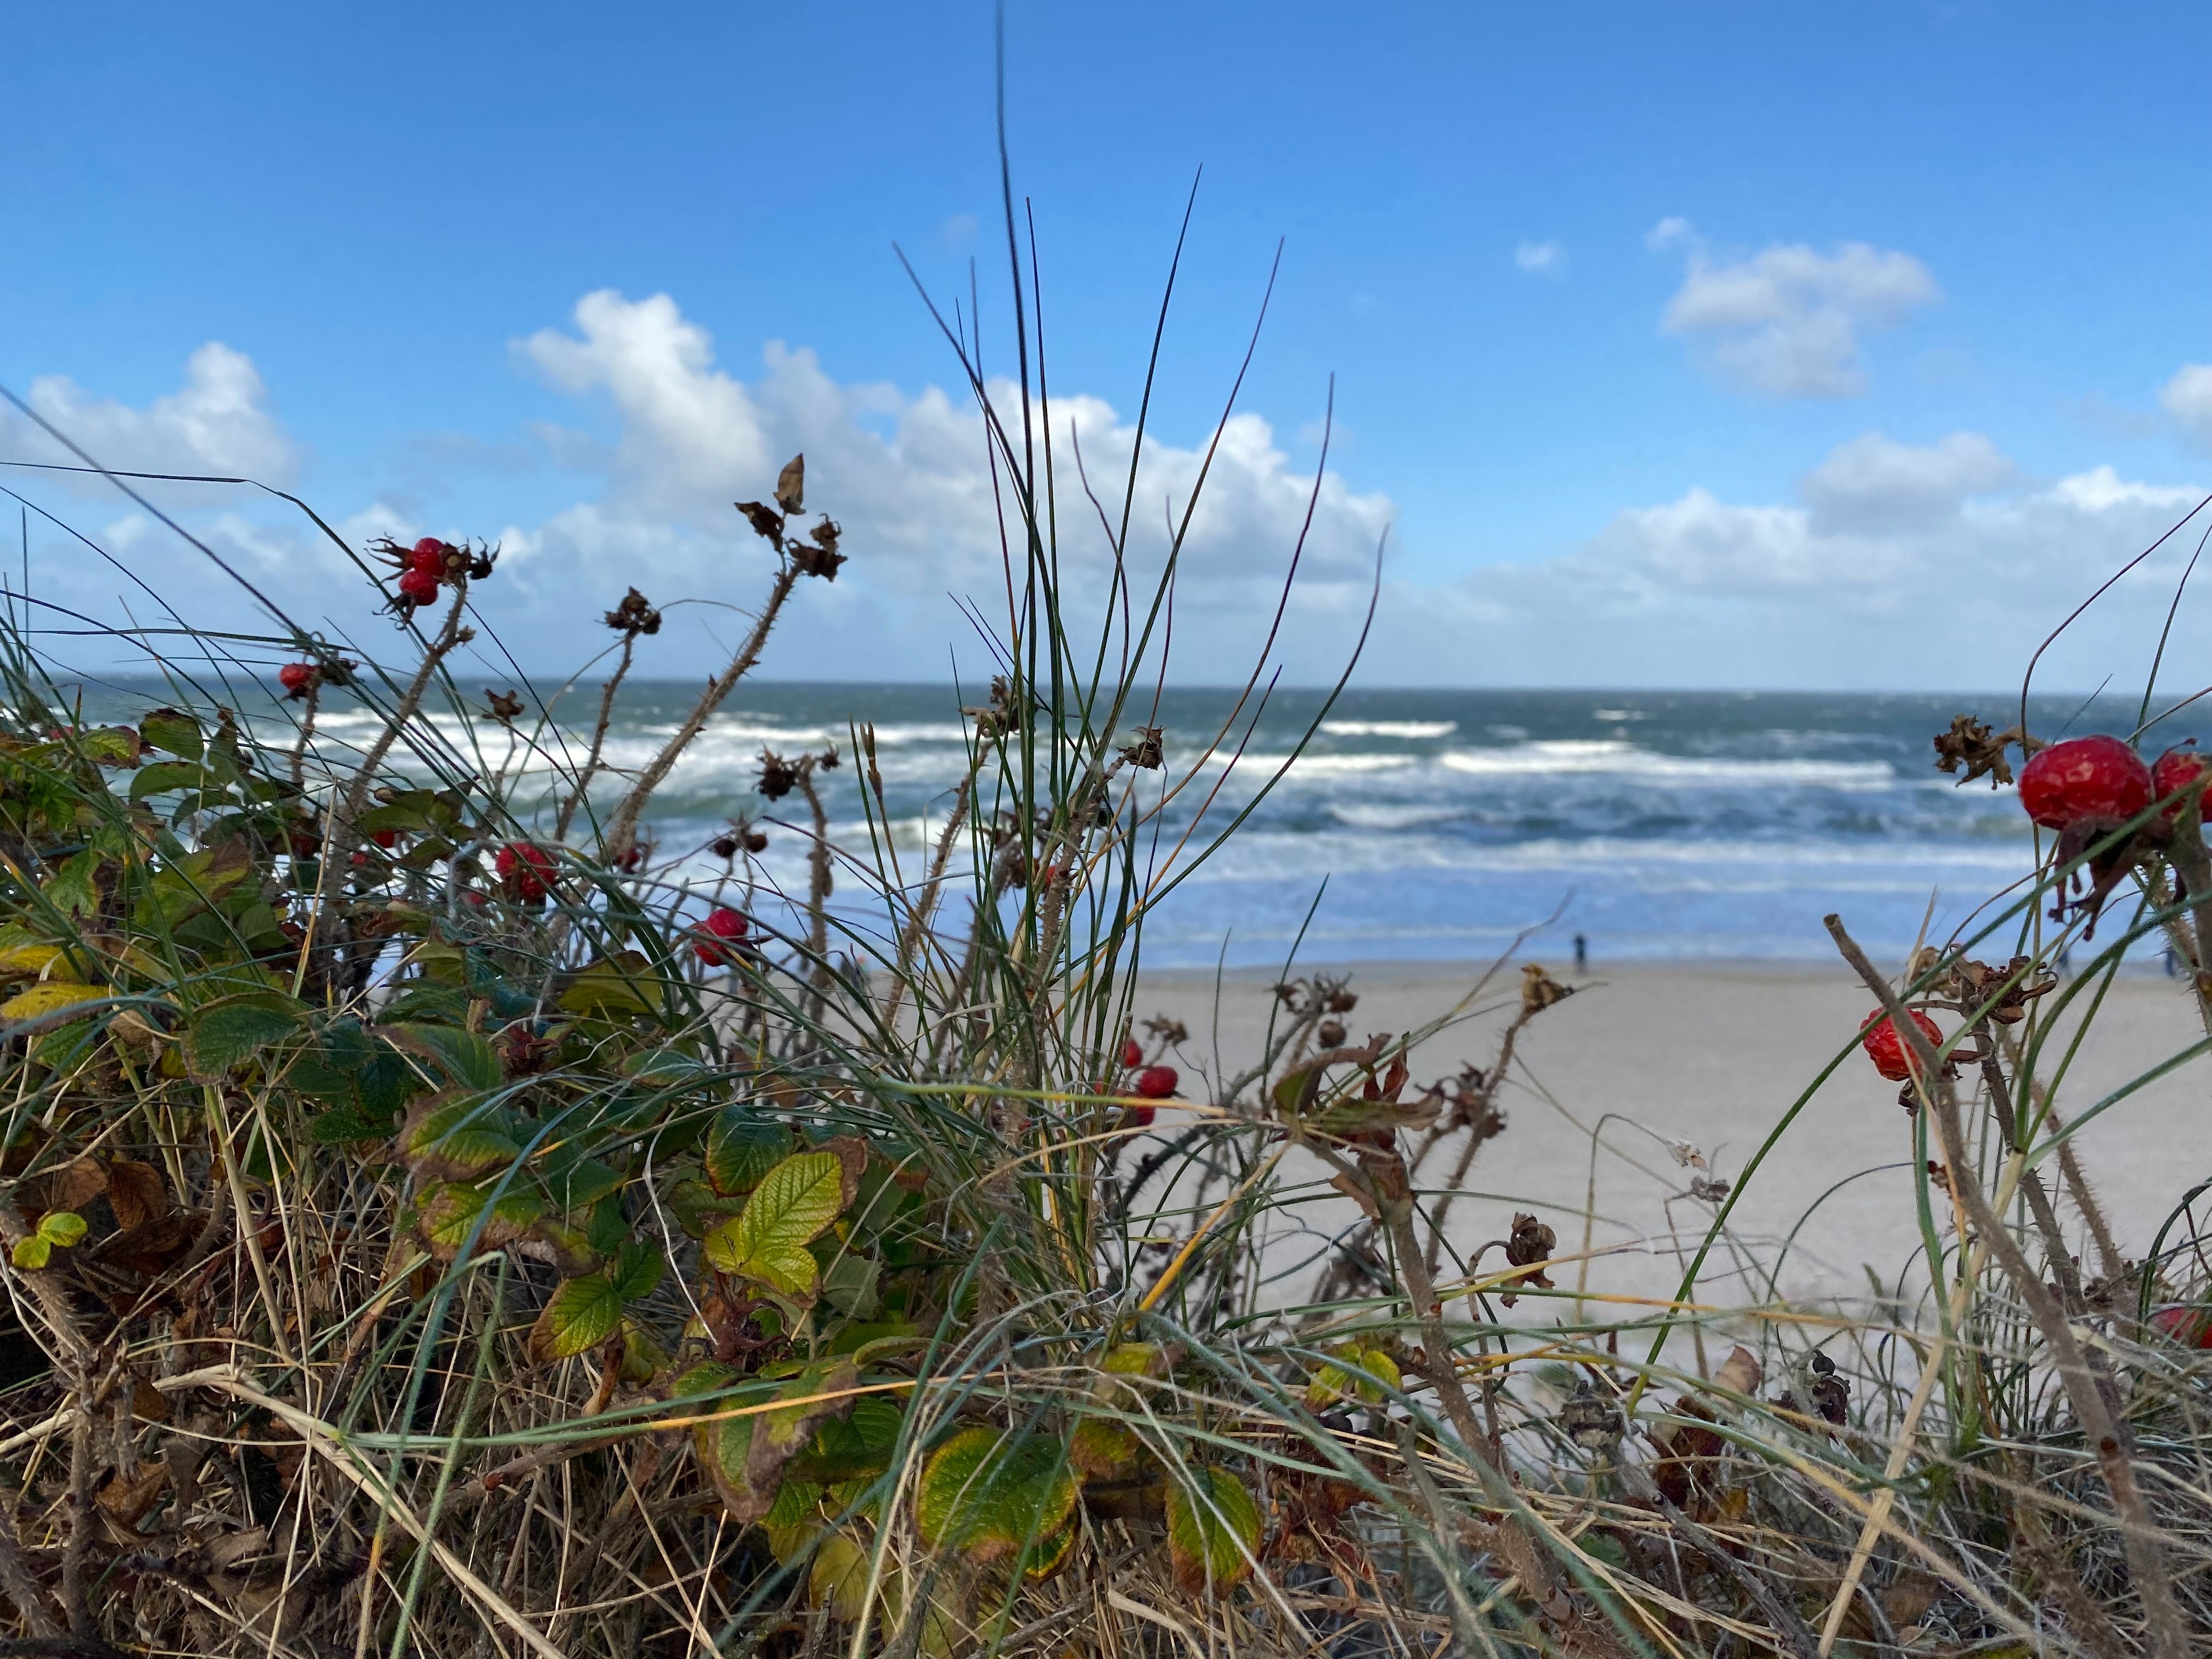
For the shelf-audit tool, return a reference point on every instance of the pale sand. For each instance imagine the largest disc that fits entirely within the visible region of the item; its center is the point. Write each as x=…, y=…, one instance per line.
x=1715, y=1057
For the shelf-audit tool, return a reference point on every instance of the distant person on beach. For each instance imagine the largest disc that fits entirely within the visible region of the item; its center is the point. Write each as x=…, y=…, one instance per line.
x=1582, y=953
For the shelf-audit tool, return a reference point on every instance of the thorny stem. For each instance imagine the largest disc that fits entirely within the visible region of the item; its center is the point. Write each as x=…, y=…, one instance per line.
x=622, y=828
x=306, y=732
x=2139, y=1535
x=820, y=881
x=591, y=769
x=910, y=936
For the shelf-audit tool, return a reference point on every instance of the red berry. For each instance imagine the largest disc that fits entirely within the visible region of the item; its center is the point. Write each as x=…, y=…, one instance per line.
x=385, y=837
x=2083, y=779
x=525, y=871
x=428, y=554
x=295, y=677
x=2174, y=771
x=418, y=587
x=1131, y=1055
x=722, y=923
x=2192, y=1327
x=1891, y=1055
x=1157, y=1082
x=1138, y=1117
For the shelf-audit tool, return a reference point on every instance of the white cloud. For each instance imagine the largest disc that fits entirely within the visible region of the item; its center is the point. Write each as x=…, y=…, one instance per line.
x=1874, y=482
x=1540, y=258
x=1786, y=321
x=1666, y=233
x=2188, y=399
x=219, y=422
x=1901, y=566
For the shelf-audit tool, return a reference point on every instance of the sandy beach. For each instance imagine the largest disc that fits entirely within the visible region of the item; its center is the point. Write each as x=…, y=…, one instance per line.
x=1715, y=1056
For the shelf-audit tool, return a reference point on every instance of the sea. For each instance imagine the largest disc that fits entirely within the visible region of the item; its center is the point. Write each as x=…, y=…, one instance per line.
x=1403, y=825
x=1441, y=825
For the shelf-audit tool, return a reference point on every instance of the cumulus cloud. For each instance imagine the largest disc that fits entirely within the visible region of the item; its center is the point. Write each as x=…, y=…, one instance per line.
x=1898, y=566
x=1786, y=321
x=1540, y=258
x=2187, y=399
x=1874, y=482
x=905, y=473
x=219, y=420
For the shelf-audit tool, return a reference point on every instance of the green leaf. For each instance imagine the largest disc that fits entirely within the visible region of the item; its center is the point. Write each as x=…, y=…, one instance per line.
x=1213, y=1529
x=577, y=1186
x=990, y=1493
x=637, y=1271
x=838, y=1580
x=621, y=985
x=61, y=1227
x=580, y=1315
x=849, y=1285
x=853, y=1446
x=466, y=1057
x=794, y=1203
x=222, y=1035
x=697, y=1207
x=742, y=1148
x=73, y=888
x=164, y=775
x=454, y=1136
x=452, y=1210
x=31, y=1251
x=174, y=731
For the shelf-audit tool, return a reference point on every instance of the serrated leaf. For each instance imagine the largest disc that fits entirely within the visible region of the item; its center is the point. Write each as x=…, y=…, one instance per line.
x=849, y=1285
x=794, y=1203
x=453, y=1210
x=31, y=1251
x=465, y=1057
x=174, y=731
x=838, y=1580
x=637, y=1271
x=222, y=1035
x=581, y=1314
x=794, y=1520
x=697, y=1207
x=48, y=997
x=854, y=1447
x=162, y=776
x=576, y=1187
x=616, y=986
x=742, y=1148
x=1367, y=1372
x=61, y=1227
x=1213, y=1529
x=1098, y=1447
x=455, y=1135
x=37, y=960
x=989, y=1493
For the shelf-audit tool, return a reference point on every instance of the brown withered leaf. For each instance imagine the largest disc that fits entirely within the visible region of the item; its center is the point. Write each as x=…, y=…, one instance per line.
x=137, y=1193
x=1971, y=743
x=767, y=523
x=76, y=1184
x=819, y=558
x=126, y=1501
x=505, y=707
x=154, y=1247
x=1978, y=984
x=791, y=484
x=1741, y=1372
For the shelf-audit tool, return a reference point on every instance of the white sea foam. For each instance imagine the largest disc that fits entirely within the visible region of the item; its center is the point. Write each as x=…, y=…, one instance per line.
x=1411, y=729
x=1627, y=760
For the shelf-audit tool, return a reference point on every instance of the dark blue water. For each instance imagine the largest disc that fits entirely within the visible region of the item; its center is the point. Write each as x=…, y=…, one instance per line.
x=1439, y=824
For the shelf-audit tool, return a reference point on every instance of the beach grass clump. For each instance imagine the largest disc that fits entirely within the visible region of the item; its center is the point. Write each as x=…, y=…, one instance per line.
x=443, y=1219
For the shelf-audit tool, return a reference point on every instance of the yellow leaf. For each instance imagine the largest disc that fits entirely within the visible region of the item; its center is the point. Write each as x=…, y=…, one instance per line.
x=47, y=998
x=49, y=962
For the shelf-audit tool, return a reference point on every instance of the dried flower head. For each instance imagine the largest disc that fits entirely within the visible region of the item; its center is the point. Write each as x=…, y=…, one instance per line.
x=819, y=558
x=1146, y=753
x=778, y=776
x=505, y=707
x=1971, y=743
x=634, y=616
x=767, y=522
x=1529, y=1244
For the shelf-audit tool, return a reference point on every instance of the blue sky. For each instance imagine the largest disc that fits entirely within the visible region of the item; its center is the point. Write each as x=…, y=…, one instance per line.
x=1703, y=344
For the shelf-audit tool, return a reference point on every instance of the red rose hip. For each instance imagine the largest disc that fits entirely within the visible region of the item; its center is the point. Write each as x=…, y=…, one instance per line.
x=2173, y=772
x=2192, y=1327
x=1132, y=1054
x=296, y=677
x=1157, y=1082
x=429, y=555
x=722, y=927
x=2095, y=778
x=1892, y=1055
x=418, y=587
x=525, y=871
